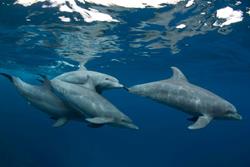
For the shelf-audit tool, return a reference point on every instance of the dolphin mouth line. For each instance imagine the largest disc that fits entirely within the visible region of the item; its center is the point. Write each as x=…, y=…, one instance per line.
x=238, y=117
x=132, y=126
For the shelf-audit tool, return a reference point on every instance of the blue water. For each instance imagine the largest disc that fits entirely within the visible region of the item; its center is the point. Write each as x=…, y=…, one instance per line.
x=140, y=48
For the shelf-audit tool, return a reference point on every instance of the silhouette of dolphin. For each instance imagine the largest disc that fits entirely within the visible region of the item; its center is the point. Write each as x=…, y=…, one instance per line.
x=42, y=98
x=177, y=92
x=96, y=109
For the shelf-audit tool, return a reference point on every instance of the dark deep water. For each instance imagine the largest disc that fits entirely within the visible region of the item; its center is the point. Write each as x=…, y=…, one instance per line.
x=140, y=48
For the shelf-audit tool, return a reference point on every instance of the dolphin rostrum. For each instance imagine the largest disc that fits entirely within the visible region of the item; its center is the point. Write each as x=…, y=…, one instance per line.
x=96, y=109
x=42, y=98
x=177, y=92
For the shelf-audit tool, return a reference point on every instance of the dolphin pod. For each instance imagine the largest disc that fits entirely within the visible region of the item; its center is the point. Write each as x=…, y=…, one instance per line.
x=77, y=96
x=90, y=83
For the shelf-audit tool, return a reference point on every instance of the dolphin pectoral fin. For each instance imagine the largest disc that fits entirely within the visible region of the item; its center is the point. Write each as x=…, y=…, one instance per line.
x=99, y=120
x=178, y=75
x=202, y=122
x=60, y=122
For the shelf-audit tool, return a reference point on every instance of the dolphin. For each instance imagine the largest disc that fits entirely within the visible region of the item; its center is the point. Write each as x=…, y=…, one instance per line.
x=42, y=98
x=96, y=109
x=97, y=81
x=179, y=93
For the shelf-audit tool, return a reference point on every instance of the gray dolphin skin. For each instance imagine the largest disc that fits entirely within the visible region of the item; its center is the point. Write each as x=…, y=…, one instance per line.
x=96, y=109
x=43, y=99
x=177, y=92
x=90, y=79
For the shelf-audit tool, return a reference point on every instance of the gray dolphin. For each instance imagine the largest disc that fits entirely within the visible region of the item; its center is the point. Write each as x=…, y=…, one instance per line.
x=96, y=109
x=42, y=98
x=96, y=81
x=177, y=92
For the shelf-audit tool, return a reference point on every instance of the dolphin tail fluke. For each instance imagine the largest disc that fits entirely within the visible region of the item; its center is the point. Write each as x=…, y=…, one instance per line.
x=9, y=77
x=202, y=122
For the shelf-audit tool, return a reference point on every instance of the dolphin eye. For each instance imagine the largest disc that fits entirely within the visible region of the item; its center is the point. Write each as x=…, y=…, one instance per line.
x=106, y=78
x=123, y=120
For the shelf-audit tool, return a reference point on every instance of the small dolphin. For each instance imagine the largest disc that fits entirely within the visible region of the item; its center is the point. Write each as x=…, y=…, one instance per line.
x=90, y=79
x=177, y=92
x=42, y=98
x=95, y=108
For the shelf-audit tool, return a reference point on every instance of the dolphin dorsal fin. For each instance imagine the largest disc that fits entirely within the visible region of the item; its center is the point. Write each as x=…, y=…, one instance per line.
x=178, y=75
x=82, y=66
x=45, y=81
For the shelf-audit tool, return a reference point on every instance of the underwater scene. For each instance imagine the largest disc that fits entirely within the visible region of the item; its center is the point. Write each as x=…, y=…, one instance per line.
x=124, y=83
